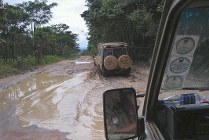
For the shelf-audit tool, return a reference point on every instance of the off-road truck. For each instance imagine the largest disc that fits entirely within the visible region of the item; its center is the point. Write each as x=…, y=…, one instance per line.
x=113, y=58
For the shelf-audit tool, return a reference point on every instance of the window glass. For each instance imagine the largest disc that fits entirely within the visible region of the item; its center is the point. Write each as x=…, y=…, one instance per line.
x=107, y=52
x=188, y=64
x=120, y=51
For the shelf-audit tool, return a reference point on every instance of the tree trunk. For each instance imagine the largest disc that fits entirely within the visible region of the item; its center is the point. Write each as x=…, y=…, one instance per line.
x=5, y=54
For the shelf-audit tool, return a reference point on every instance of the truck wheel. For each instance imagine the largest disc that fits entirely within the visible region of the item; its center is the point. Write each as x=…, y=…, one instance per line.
x=110, y=62
x=124, y=61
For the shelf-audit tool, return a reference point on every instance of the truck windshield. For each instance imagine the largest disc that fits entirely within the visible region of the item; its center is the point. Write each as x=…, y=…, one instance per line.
x=188, y=64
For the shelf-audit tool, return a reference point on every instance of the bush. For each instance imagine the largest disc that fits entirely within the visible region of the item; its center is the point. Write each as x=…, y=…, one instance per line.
x=52, y=59
x=6, y=70
x=21, y=64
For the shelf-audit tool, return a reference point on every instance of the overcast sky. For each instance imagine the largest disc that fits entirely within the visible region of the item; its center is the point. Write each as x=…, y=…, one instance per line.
x=67, y=12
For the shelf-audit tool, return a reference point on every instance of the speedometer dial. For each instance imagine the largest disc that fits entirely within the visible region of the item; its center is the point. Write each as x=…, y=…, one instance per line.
x=185, y=45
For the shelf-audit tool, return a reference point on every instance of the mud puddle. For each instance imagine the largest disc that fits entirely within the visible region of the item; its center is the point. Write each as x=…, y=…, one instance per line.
x=82, y=62
x=52, y=103
x=62, y=102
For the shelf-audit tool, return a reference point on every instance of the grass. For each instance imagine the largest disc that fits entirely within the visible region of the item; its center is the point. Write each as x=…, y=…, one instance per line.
x=53, y=59
x=21, y=65
x=7, y=69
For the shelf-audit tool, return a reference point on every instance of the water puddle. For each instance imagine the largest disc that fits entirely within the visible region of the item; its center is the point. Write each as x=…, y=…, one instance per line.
x=82, y=62
x=37, y=87
x=61, y=103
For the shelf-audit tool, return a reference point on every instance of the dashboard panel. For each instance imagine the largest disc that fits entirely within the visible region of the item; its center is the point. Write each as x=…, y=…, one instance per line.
x=189, y=122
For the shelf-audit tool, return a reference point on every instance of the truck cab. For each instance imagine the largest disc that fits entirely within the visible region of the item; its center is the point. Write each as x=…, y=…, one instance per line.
x=176, y=103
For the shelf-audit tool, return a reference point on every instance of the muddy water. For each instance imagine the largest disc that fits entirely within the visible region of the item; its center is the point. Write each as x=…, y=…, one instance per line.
x=53, y=105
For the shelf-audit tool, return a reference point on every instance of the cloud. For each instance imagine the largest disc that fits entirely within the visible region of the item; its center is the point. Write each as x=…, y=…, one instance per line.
x=68, y=12
x=12, y=1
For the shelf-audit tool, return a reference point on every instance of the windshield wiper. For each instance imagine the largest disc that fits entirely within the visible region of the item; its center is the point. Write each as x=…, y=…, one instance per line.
x=196, y=88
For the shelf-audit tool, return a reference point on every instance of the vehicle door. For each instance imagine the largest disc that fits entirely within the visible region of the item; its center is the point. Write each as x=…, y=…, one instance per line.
x=179, y=69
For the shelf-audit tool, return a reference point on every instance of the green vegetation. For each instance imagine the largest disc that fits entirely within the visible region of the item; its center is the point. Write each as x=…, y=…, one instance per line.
x=91, y=50
x=125, y=21
x=21, y=65
x=52, y=59
x=8, y=70
x=26, y=42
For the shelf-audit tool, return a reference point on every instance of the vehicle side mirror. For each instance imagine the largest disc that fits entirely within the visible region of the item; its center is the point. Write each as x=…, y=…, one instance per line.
x=120, y=114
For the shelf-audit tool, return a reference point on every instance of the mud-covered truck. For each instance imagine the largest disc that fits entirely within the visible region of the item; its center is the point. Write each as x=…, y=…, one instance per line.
x=113, y=58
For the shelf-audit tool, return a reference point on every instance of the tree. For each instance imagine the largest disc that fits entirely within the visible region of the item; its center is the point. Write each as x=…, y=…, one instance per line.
x=56, y=39
x=39, y=12
x=13, y=18
x=123, y=20
x=23, y=34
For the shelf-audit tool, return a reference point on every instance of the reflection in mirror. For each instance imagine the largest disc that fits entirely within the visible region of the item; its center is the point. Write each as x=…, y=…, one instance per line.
x=120, y=113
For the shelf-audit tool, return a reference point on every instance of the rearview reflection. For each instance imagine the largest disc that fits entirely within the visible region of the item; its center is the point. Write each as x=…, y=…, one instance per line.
x=120, y=113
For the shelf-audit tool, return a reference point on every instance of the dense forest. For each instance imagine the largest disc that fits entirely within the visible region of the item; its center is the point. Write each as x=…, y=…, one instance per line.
x=24, y=34
x=25, y=38
x=132, y=21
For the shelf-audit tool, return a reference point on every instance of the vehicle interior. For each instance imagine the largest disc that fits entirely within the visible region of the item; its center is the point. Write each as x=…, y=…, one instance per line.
x=183, y=103
x=176, y=103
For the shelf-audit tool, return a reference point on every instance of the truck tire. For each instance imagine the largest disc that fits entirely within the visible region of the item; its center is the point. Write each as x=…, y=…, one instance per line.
x=124, y=62
x=110, y=62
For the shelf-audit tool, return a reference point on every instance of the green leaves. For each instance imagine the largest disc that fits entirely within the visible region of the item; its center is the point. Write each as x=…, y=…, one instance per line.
x=142, y=21
x=39, y=11
x=123, y=20
x=22, y=32
x=57, y=39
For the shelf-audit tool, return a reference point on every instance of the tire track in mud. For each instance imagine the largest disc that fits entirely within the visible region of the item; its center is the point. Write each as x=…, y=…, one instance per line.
x=78, y=105
x=92, y=105
x=89, y=110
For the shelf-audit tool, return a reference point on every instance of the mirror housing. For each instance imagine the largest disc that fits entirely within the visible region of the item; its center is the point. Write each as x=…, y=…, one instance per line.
x=120, y=114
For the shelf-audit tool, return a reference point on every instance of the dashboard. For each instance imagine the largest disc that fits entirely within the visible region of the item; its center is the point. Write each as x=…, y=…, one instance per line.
x=189, y=121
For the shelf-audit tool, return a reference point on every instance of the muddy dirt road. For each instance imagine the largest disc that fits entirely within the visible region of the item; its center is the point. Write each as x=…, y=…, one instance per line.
x=60, y=101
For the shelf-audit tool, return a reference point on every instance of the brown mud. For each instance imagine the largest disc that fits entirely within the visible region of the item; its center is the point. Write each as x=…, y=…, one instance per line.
x=60, y=101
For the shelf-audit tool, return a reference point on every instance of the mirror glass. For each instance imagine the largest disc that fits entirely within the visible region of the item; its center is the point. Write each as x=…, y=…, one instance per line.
x=120, y=113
